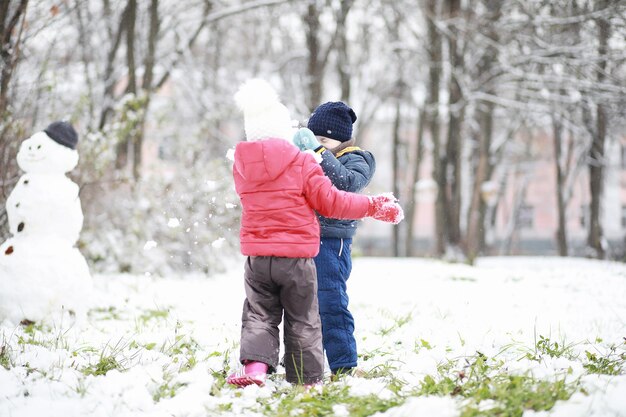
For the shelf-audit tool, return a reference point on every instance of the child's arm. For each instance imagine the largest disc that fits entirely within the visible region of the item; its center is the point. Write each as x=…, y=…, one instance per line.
x=353, y=176
x=327, y=200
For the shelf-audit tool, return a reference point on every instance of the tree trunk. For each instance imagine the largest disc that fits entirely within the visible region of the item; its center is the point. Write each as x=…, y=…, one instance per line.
x=130, y=47
x=513, y=224
x=411, y=206
x=596, y=154
x=561, y=233
x=452, y=165
x=123, y=148
x=488, y=131
x=146, y=86
x=396, y=172
x=318, y=56
x=314, y=65
x=109, y=79
x=477, y=211
x=434, y=74
x=9, y=47
x=477, y=208
x=343, y=62
x=11, y=30
x=85, y=50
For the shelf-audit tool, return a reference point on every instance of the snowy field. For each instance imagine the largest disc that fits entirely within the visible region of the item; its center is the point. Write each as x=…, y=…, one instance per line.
x=509, y=337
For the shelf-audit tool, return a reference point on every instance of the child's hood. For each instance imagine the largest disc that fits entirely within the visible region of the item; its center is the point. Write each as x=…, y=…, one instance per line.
x=264, y=160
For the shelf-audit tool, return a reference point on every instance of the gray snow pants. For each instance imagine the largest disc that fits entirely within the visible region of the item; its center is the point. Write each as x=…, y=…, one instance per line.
x=275, y=286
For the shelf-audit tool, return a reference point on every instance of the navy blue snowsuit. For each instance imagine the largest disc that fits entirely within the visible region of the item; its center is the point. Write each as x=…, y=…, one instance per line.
x=350, y=170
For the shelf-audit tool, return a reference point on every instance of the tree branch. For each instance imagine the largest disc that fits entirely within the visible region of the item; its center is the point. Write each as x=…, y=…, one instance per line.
x=109, y=82
x=211, y=18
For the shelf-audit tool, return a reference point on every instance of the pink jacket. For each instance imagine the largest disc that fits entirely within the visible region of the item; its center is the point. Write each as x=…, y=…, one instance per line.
x=279, y=188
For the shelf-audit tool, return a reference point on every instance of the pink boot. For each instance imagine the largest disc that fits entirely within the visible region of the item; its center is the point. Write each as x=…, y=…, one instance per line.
x=250, y=373
x=308, y=387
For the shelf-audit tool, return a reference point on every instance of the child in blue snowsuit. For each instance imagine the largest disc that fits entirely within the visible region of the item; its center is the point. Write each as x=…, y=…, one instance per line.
x=349, y=168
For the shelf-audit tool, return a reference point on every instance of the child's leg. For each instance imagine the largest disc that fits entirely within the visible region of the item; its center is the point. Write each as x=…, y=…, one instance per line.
x=334, y=264
x=304, y=356
x=262, y=313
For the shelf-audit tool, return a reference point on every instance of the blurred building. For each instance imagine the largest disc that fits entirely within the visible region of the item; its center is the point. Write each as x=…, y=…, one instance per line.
x=524, y=199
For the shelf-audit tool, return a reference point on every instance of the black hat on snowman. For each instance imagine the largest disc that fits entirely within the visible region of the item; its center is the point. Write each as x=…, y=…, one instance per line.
x=62, y=133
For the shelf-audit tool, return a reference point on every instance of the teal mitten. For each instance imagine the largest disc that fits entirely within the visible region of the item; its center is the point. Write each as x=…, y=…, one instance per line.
x=305, y=139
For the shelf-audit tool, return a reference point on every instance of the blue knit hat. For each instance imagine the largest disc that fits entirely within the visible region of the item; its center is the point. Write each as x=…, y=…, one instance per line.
x=333, y=120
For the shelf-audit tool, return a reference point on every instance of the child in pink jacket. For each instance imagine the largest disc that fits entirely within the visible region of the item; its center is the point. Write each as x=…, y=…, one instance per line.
x=280, y=189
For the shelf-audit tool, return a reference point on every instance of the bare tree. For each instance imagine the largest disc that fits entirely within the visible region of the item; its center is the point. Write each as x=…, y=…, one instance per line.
x=315, y=61
x=432, y=114
x=451, y=161
x=411, y=204
x=561, y=237
x=396, y=162
x=470, y=69
x=343, y=61
x=521, y=173
x=540, y=72
x=146, y=84
x=130, y=17
x=485, y=129
x=595, y=238
x=109, y=79
x=12, y=21
x=11, y=35
x=318, y=53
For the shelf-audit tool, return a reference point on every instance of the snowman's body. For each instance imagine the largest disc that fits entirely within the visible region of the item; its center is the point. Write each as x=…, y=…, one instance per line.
x=41, y=272
x=54, y=195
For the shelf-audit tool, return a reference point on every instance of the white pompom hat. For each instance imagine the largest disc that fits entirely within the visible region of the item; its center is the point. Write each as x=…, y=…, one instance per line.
x=264, y=115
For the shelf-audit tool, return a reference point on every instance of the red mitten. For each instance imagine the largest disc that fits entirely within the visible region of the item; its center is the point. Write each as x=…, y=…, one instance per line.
x=385, y=208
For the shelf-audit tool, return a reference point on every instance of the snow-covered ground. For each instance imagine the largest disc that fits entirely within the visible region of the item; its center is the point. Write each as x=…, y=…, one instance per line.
x=160, y=346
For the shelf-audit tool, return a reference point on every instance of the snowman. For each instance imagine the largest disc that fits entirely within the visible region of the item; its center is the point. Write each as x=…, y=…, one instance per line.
x=42, y=273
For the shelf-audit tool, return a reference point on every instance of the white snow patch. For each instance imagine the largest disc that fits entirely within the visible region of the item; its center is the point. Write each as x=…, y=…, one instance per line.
x=150, y=244
x=410, y=314
x=424, y=406
x=218, y=243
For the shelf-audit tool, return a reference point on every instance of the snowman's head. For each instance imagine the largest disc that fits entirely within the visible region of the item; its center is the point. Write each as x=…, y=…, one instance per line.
x=39, y=154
